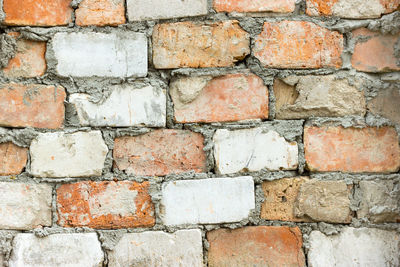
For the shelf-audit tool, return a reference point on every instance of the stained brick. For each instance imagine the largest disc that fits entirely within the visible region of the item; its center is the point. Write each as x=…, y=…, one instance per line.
x=12, y=159
x=386, y=104
x=100, y=13
x=280, y=6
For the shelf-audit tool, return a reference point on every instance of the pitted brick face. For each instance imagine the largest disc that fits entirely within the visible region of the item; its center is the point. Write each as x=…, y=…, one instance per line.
x=100, y=13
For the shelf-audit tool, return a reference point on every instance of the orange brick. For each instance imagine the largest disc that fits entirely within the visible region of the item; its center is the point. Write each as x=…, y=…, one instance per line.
x=105, y=205
x=369, y=149
x=224, y=98
x=298, y=44
x=160, y=152
x=37, y=12
x=100, y=13
x=256, y=246
x=187, y=44
x=32, y=105
x=12, y=159
x=281, y=6
x=376, y=54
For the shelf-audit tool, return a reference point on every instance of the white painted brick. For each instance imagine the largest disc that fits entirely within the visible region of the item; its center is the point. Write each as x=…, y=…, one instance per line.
x=253, y=150
x=25, y=206
x=354, y=247
x=164, y=9
x=99, y=54
x=80, y=154
x=158, y=249
x=126, y=106
x=56, y=250
x=217, y=200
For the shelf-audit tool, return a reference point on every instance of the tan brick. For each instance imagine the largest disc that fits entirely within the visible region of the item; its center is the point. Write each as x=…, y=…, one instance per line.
x=298, y=44
x=331, y=148
x=188, y=44
x=219, y=99
x=386, y=104
x=279, y=6
x=12, y=159
x=100, y=13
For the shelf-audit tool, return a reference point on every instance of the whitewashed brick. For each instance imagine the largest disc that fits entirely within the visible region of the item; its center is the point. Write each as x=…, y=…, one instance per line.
x=80, y=154
x=354, y=247
x=253, y=150
x=126, y=106
x=164, y=9
x=217, y=200
x=56, y=250
x=25, y=206
x=158, y=249
x=99, y=54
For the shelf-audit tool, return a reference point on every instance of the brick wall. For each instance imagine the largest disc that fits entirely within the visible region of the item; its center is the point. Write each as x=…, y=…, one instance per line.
x=199, y=132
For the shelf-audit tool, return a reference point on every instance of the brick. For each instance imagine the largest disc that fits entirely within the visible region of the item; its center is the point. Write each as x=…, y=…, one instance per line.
x=160, y=152
x=100, y=13
x=156, y=248
x=25, y=206
x=37, y=13
x=219, y=99
x=126, y=106
x=386, y=104
x=379, y=201
x=81, y=249
x=366, y=150
x=253, y=150
x=251, y=6
x=374, y=247
x=280, y=199
x=80, y=154
x=216, y=200
x=298, y=44
x=32, y=105
x=100, y=54
x=256, y=246
x=352, y=9
x=327, y=201
x=374, y=52
x=165, y=9
x=300, y=97
x=12, y=159
x=105, y=205
x=218, y=44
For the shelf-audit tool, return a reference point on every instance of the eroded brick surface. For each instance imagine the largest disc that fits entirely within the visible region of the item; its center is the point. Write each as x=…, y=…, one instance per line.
x=386, y=104
x=279, y=6
x=12, y=159
x=100, y=13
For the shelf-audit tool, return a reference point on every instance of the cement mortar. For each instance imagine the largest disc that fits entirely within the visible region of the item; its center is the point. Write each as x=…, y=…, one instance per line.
x=8, y=47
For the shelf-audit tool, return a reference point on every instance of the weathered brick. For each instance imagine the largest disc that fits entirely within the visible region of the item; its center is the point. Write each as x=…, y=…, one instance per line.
x=299, y=97
x=81, y=249
x=105, y=205
x=100, y=13
x=386, y=104
x=32, y=105
x=219, y=99
x=25, y=206
x=37, y=13
x=80, y=154
x=251, y=6
x=126, y=106
x=327, y=201
x=12, y=159
x=188, y=44
x=354, y=247
x=374, y=52
x=366, y=150
x=298, y=44
x=182, y=248
x=216, y=200
x=100, y=54
x=253, y=150
x=165, y=9
x=256, y=246
x=160, y=152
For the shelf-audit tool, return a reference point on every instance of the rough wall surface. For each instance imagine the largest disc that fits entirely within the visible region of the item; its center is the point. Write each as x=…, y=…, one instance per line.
x=199, y=133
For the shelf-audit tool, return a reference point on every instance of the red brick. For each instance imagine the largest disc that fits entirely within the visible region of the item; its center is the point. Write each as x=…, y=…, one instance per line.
x=12, y=159
x=280, y=6
x=32, y=105
x=160, y=152
x=100, y=13
x=37, y=12
x=224, y=98
x=369, y=149
x=105, y=205
x=256, y=246
x=298, y=44
x=376, y=54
